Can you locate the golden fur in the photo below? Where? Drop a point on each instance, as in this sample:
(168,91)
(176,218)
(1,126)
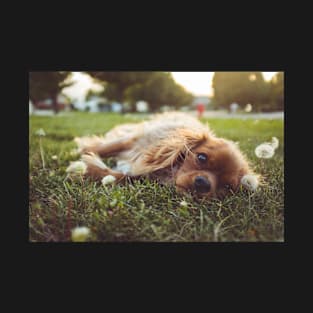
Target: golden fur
(173,148)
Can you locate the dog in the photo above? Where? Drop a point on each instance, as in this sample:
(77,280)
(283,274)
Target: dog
(172,148)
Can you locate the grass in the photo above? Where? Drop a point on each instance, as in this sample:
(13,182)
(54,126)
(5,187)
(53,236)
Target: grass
(145,211)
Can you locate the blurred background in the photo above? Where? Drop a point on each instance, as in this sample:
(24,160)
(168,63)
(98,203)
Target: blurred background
(216,94)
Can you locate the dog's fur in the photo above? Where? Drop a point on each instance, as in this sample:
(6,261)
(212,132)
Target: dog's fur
(167,148)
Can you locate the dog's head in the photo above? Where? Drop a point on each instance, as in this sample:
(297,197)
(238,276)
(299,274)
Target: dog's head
(206,165)
(213,168)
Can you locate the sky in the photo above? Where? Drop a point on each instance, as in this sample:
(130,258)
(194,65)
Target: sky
(199,83)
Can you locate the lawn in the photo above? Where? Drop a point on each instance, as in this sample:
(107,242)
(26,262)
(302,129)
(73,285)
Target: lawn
(145,211)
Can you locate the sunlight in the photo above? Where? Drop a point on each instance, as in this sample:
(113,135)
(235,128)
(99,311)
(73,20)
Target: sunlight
(82,83)
(268,75)
(199,83)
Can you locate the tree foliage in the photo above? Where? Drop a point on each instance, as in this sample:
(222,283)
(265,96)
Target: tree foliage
(116,83)
(43,85)
(248,87)
(156,88)
(277,91)
(240,87)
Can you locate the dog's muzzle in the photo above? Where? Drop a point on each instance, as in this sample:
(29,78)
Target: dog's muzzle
(202,184)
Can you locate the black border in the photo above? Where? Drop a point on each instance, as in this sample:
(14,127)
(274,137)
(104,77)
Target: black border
(133,253)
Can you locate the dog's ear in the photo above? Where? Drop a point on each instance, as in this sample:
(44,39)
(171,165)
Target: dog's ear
(168,151)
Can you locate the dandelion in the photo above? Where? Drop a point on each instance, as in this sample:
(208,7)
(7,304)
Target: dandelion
(80,234)
(264,151)
(54,157)
(183,204)
(275,142)
(109,179)
(77,167)
(52,173)
(40,132)
(250,182)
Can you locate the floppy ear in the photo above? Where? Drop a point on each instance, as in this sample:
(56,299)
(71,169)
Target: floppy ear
(167,151)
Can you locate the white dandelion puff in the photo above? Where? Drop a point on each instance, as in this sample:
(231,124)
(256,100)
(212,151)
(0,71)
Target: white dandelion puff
(183,204)
(109,179)
(80,234)
(54,157)
(275,142)
(77,167)
(250,182)
(51,173)
(264,151)
(40,132)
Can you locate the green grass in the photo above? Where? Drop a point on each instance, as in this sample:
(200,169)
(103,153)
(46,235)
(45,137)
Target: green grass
(145,211)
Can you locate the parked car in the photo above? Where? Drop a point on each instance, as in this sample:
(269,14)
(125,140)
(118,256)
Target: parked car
(48,105)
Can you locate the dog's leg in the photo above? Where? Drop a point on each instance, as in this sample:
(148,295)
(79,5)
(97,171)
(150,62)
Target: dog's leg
(96,169)
(102,147)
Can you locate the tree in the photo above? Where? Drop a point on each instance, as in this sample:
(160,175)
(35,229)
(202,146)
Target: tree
(44,85)
(157,88)
(160,89)
(276,93)
(178,96)
(240,87)
(92,93)
(116,83)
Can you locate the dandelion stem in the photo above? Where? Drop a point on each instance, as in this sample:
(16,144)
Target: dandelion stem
(41,153)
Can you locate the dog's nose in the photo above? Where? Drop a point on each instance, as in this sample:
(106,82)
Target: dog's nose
(202,184)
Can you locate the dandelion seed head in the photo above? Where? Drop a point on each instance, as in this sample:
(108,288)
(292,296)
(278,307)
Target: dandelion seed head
(40,132)
(109,179)
(77,167)
(275,142)
(54,157)
(183,204)
(250,182)
(264,151)
(52,173)
(80,234)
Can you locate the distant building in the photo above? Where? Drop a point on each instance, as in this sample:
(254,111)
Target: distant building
(233,107)
(116,107)
(142,106)
(62,103)
(97,104)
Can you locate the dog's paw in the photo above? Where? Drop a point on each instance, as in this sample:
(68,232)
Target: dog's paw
(91,159)
(88,144)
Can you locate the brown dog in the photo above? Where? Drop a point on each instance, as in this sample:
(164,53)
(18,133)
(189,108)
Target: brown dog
(174,148)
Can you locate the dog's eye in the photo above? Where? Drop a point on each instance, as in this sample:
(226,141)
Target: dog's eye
(202,157)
